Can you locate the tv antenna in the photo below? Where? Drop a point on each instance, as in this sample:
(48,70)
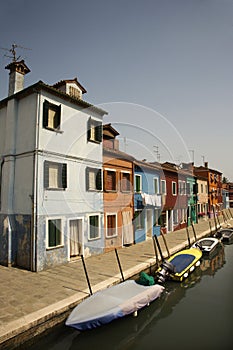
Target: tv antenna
(13,51)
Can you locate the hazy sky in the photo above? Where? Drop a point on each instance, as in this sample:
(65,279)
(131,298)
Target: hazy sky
(163,69)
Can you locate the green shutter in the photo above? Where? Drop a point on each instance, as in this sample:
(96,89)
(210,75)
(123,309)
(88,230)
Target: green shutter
(52,233)
(57,120)
(99,180)
(46,174)
(87,179)
(45,113)
(64,175)
(99,132)
(89,129)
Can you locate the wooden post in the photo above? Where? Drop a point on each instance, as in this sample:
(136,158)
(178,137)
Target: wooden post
(165,243)
(187,231)
(86,274)
(119,264)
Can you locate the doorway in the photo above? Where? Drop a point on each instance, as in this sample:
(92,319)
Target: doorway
(76,242)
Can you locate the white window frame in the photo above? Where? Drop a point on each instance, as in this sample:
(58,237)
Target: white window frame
(157,181)
(116,234)
(125,172)
(98,237)
(135,189)
(165,187)
(47,233)
(174,193)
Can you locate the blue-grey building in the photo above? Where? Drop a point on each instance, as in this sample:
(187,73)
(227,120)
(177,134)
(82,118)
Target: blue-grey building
(147,200)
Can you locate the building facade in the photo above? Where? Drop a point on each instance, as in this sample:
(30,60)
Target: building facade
(50,146)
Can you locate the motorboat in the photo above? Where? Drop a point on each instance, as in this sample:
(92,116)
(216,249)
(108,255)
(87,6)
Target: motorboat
(225,234)
(207,245)
(179,266)
(111,303)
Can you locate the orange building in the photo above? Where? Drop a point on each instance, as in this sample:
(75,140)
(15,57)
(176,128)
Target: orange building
(118,192)
(214,179)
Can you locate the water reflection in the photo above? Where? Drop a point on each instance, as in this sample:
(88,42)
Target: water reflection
(150,325)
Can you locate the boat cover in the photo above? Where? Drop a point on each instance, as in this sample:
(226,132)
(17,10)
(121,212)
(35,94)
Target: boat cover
(111,303)
(182,261)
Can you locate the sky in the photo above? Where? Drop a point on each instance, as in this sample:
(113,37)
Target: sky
(162,69)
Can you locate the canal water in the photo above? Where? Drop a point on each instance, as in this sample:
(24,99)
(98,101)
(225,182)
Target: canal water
(196,314)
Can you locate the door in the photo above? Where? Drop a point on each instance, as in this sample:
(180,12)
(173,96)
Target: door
(75,237)
(149,222)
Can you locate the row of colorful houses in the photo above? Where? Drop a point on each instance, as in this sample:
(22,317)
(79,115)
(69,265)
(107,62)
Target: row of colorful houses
(67,190)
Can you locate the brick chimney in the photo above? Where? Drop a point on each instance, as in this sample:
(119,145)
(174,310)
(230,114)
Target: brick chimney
(16,79)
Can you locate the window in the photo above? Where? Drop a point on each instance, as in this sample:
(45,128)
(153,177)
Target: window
(174,188)
(51,116)
(55,175)
(163,187)
(94,131)
(156,185)
(138,183)
(74,92)
(111,225)
(125,182)
(188,188)
(139,220)
(54,233)
(93,179)
(94,228)
(110,180)
(202,189)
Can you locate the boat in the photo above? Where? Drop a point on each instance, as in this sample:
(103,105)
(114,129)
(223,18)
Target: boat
(111,303)
(179,266)
(225,234)
(207,245)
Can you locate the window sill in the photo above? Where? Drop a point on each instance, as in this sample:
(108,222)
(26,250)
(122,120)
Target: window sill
(55,247)
(54,130)
(109,237)
(93,239)
(55,189)
(94,141)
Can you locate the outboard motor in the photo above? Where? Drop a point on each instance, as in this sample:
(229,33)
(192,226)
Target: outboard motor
(166,269)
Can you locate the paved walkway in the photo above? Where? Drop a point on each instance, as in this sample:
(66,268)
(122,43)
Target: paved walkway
(32,302)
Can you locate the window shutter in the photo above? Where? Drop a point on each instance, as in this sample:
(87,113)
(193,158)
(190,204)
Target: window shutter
(99,133)
(99,180)
(57,120)
(45,113)
(89,129)
(87,179)
(64,175)
(46,174)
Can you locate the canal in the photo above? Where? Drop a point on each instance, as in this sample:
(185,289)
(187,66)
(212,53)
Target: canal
(197,314)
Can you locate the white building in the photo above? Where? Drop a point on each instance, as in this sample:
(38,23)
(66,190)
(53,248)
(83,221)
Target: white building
(51,200)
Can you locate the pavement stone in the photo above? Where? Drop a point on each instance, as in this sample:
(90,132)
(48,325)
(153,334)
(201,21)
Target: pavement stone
(36,301)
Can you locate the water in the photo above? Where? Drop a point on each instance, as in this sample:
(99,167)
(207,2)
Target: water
(197,314)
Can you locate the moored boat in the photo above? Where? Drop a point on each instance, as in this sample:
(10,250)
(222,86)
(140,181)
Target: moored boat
(111,303)
(207,245)
(179,265)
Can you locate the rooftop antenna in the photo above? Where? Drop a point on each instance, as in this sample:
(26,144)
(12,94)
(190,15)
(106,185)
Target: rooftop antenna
(13,51)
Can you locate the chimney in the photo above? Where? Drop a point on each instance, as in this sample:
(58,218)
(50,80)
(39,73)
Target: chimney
(206,164)
(17,72)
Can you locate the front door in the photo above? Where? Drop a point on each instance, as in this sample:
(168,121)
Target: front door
(75,237)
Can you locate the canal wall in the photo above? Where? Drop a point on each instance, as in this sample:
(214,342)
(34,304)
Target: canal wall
(32,303)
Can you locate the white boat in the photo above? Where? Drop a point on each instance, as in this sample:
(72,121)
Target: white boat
(206,245)
(111,303)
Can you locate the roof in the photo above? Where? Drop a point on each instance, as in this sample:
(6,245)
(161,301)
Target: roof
(75,80)
(40,85)
(202,169)
(109,131)
(147,165)
(117,154)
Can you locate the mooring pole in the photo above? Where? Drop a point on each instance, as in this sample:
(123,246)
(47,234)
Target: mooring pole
(230,212)
(86,274)
(215,222)
(194,232)
(165,243)
(187,231)
(119,264)
(156,252)
(225,217)
(210,228)
(159,247)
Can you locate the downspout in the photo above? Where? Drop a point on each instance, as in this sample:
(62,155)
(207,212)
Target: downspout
(34,196)
(1,171)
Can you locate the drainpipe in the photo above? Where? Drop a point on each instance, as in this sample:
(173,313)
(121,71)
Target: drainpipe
(1,169)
